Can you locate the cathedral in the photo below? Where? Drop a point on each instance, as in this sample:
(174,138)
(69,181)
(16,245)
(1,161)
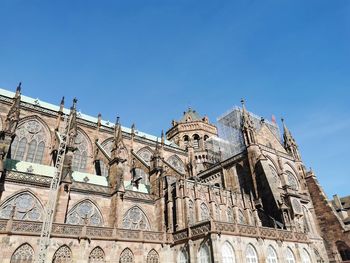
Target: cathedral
(199,193)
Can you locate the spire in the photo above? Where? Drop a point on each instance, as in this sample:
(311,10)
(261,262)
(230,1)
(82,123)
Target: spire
(72,125)
(61,105)
(18,90)
(117,133)
(289,142)
(12,117)
(247,125)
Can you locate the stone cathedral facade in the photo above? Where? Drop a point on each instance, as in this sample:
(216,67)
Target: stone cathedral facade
(128,197)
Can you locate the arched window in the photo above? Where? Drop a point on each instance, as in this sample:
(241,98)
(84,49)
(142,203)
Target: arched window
(141,174)
(271,255)
(230,217)
(196,139)
(204,212)
(85,212)
(145,154)
(275,177)
(80,156)
(153,257)
(290,258)
(23,206)
(177,163)
(227,253)
(186,139)
(191,214)
(250,255)
(241,218)
(97,255)
(183,256)
(126,256)
(292,181)
(23,254)
(135,218)
(204,254)
(62,255)
(305,256)
(29,143)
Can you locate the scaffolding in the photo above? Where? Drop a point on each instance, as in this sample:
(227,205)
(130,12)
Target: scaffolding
(230,141)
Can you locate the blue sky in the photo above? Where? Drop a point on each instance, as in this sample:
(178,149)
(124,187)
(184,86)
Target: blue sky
(147,61)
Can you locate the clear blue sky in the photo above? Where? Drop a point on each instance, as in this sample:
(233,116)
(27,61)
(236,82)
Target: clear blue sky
(147,61)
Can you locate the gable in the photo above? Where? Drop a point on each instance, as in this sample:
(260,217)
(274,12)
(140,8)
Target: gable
(266,137)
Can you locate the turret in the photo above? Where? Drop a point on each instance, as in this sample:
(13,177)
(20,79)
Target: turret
(289,142)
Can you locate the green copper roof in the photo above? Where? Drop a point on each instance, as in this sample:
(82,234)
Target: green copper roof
(190,115)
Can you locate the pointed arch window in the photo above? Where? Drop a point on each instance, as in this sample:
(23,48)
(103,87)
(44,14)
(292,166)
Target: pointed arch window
(292,181)
(23,206)
(97,255)
(217,212)
(23,254)
(80,156)
(126,256)
(183,256)
(275,176)
(85,212)
(205,215)
(204,254)
(62,255)
(305,256)
(290,258)
(29,143)
(153,257)
(177,163)
(271,255)
(250,255)
(241,218)
(227,253)
(145,154)
(230,217)
(135,218)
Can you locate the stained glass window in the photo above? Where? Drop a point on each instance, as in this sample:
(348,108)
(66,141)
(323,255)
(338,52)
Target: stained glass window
(241,217)
(153,257)
(204,254)
(204,212)
(29,143)
(305,256)
(97,255)
(80,156)
(230,217)
(227,253)
(62,255)
(126,256)
(271,255)
(177,163)
(275,176)
(183,256)
(135,218)
(251,255)
(145,154)
(24,205)
(85,212)
(290,256)
(292,181)
(23,254)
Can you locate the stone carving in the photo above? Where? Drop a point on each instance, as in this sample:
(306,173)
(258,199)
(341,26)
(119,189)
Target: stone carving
(205,215)
(153,257)
(97,255)
(85,212)
(23,206)
(134,218)
(126,256)
(23,254)
(62,255)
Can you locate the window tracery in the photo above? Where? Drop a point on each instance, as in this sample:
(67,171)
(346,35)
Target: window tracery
(23,254)
(153,257)
(85,212)
(204,254)
(97,255)
(183,256)
(228,255)
(177,163)
(292,181)
(305,256)
(62,255)
(126,256)
(135,218)
(290,256)
(251,255)
(230,217)
(145,154)
(241,217)
(29,143)
(191,218)
(80,156)
(205,215)
(271,255)
(275,176)
(23,206)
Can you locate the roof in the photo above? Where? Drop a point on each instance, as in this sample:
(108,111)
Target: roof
(89,118)
(190,115)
